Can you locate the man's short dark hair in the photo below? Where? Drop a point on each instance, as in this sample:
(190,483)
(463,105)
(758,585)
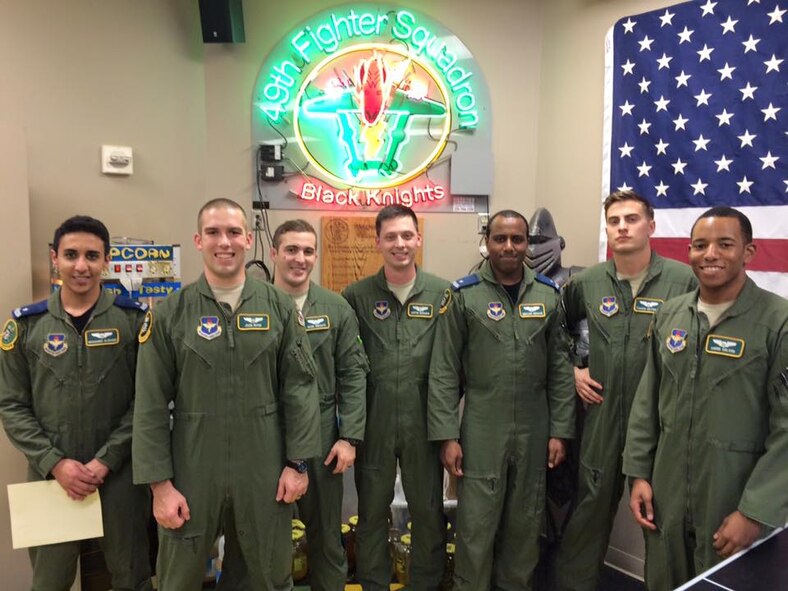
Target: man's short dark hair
(620,196)
(506,213)
(724,211)
(292,226)
(218,202)
(82,223)
(391,212)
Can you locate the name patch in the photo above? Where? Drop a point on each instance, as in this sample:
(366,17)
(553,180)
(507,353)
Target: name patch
(532,311)
(725,346)
(313,323)
(209,327)
(647,305)
(253,322)
(102,337)
(419,310)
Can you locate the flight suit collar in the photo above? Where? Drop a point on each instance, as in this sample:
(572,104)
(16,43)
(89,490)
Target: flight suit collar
(418,285)
(747,298)
(655,265)
(486,273)
(310,298)
(55,306)
(205,289)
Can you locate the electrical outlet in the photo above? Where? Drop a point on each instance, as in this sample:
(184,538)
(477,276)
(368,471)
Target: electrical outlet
(482,221)
(117,160)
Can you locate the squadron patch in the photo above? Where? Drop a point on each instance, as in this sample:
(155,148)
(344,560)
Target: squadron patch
(315,323)
(445,301)
(609,306)
(531,311)
(382,310)
(209,327)
(55,344)
(725,346)
(647,305)
(253,322)
(10,334)
(102,337)
(677,341)
(496,311)
(146,328)
(416,310)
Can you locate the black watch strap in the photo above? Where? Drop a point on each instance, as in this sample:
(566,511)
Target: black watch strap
(351,441)
(299,466)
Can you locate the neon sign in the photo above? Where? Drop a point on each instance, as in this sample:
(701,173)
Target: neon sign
(372,98)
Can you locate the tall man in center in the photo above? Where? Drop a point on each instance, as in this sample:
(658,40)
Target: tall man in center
(397,311)
(341,377)
(501,337)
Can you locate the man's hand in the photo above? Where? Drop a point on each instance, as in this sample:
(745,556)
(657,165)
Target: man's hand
(98,468)
(169,506)
(641,503)
(451,457)
(76,479)
(345,455)
(586,387)
(556,452)
(737,532)
(292,485)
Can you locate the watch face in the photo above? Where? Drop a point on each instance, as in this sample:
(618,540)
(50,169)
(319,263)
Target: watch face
(299,467)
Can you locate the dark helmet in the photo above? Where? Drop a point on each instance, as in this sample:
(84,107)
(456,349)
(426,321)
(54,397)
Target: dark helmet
(544,243)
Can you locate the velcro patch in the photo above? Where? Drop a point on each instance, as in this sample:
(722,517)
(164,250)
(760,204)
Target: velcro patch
(532,311)
(10,334)
(416,310)
(146,328)
(253,322)
(102,337)
(647,305)
(313,323)
(725,346)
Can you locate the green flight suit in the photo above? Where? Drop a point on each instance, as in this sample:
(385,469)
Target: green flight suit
(341,382)
(244,395)
(618,346)
(66,395)
(709,427)
(398,341)
(519,391)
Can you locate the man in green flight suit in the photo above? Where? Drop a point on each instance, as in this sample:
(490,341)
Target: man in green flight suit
(707,444)
(501,338)
(618,298)
(397,311)
(67,398)
(341,376)
(230,357)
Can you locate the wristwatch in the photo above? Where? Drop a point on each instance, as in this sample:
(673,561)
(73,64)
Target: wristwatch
(351,441)
(297,465)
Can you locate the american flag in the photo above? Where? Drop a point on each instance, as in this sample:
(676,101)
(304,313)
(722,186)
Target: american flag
(696,108)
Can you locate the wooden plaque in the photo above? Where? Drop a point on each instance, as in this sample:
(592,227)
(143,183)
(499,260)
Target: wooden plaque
(348,252)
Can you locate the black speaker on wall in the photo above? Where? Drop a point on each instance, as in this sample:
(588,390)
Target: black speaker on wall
(222,21)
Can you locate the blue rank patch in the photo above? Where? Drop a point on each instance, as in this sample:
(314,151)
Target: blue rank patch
(102,337)
(725,346)
(677,341)
(609,306)
(495,311)
(466,281)
(209,327)
(416,310)
(647,305)
(532,311)
(382,310)
(55,344)
(253,322)
(315,323)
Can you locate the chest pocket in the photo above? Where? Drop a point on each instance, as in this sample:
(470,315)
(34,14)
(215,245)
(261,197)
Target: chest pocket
(479,323)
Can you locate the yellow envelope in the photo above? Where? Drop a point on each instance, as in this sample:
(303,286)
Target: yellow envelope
(42,513)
